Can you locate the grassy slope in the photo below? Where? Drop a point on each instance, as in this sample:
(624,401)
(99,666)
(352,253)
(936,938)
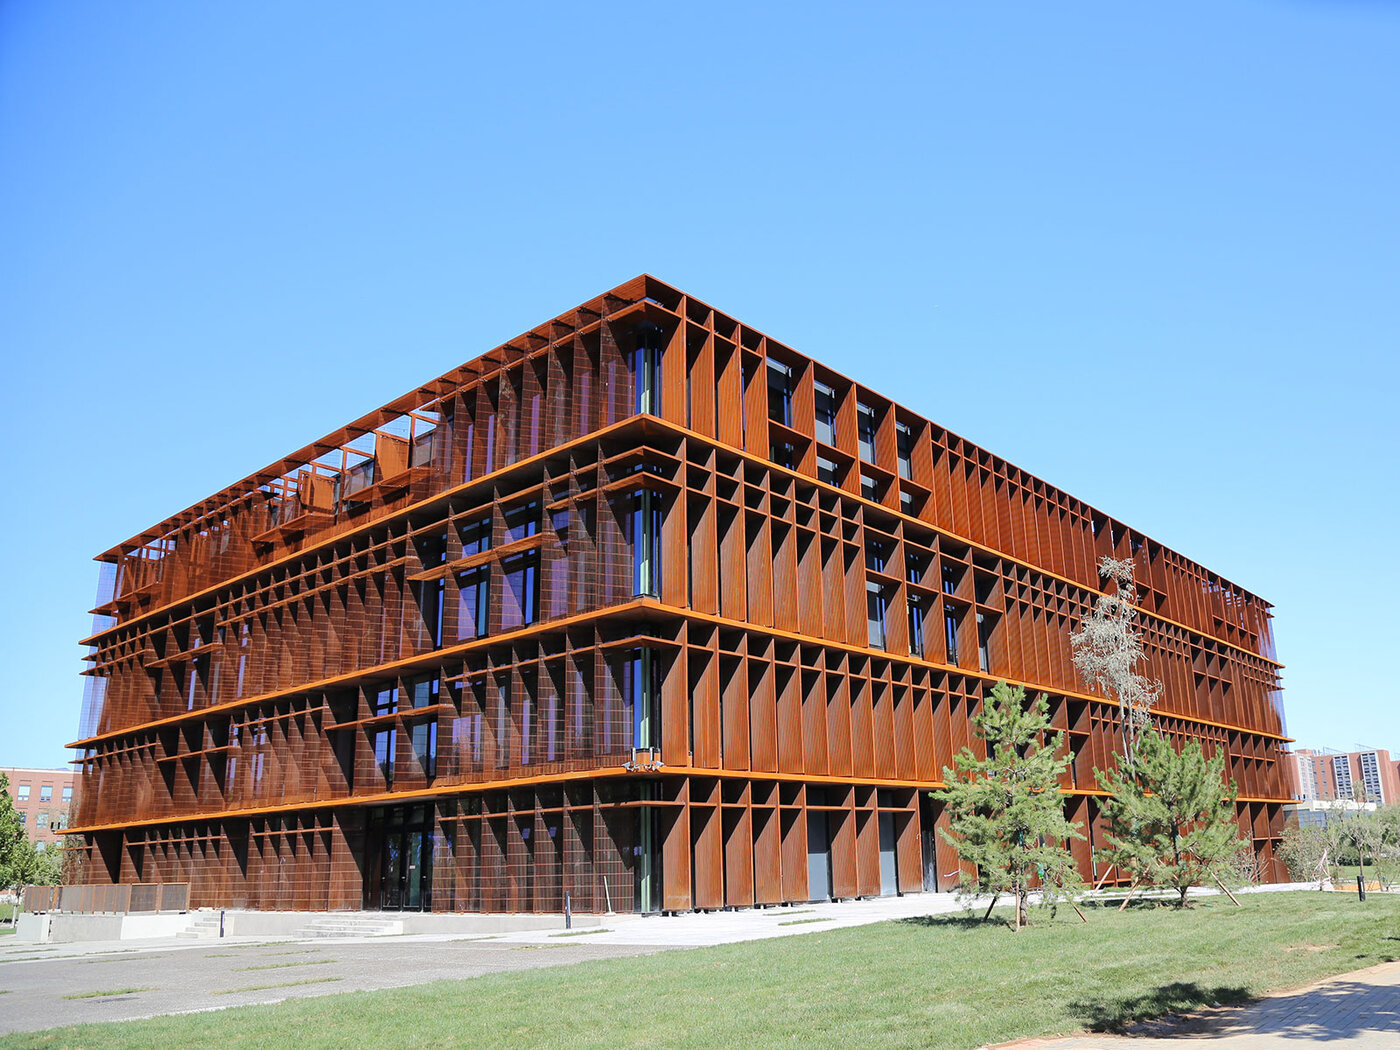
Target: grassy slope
(938,983)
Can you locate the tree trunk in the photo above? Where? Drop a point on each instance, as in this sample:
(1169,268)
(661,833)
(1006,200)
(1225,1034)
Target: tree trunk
(1181,901)
(1022,920)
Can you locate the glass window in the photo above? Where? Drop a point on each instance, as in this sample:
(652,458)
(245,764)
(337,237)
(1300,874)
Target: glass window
(23,795)
(646,369)
(875,614)
(62,822)
(528,678)
(23,817)
(468,449)
(41,821)
(646,542)
(826,414)
(466,741)
(641,696)
(522,521)
(476,536)
(951,575)
(915,566)
(779,392)
(950,626)
(67,792)
(384,753)
(916,626)
(984,638)
(473,592)
(430,595)
(782,453)
(826,471)
(232,767)
(424,737)
(502,724)
(865,431)
(549,724)
(905,439)
(243,635)
(520,597)
(45,792)
(385,701)
(424,692)
(876,553)
(432,549)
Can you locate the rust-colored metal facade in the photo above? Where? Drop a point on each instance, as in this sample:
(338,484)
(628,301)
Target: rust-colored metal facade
(643,606)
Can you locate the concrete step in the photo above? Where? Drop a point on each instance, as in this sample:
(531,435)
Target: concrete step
(203,928)
(351,927)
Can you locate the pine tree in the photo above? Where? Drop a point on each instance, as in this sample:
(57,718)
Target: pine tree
(1006,812)
(17,855)
(1171,817)
(1107,649)
(13,840)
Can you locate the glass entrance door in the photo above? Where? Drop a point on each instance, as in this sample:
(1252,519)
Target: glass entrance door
(399,859)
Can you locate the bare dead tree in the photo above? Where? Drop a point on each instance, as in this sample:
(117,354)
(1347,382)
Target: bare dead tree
(1107,650)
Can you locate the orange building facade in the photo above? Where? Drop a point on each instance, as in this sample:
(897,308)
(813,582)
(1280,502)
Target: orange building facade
(643,607)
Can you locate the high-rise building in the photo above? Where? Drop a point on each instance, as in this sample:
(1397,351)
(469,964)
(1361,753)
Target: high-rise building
(1325,774)
(643,606)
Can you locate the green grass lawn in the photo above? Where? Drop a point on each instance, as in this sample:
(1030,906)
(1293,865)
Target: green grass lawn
(946,982)
(6,912)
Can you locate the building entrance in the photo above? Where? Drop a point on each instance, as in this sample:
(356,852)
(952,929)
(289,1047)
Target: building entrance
(399,859)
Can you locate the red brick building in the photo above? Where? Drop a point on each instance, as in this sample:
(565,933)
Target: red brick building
(44,799)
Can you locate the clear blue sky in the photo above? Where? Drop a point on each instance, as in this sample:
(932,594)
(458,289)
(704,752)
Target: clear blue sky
(1148,252)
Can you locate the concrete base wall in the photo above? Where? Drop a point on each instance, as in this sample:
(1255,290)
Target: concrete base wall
(290,923)
(57,928)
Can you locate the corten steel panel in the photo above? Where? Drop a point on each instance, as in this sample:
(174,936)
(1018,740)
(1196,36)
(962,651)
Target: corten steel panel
(459,603)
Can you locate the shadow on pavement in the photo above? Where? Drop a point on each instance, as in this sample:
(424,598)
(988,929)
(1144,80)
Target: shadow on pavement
(1115,1015)
(1337,1010)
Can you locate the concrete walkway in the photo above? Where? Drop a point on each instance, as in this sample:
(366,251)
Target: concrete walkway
(1352,1011)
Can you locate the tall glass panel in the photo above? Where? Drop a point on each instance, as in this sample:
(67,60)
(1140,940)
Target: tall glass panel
(826,414)
(646,369)
(646,543)
(865,431)
(779,392)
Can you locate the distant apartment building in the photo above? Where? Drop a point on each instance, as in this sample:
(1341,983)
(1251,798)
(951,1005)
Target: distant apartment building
(43,798)
(1323,775)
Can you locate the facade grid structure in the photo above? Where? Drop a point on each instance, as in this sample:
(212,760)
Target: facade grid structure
(643,606)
